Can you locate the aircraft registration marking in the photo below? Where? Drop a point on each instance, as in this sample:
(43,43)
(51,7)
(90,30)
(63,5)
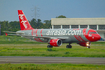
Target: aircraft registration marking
(64,32)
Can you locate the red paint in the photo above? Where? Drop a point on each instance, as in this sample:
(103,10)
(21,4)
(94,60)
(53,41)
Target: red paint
(79,38)
(40,40)
(54,42)
(6,34)
(24,24)
(34,32)
(84,44)
(91,37)
(82,39)
(41,32)
(37,39)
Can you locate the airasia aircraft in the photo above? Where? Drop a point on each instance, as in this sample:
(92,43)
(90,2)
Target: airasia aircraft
(55,37)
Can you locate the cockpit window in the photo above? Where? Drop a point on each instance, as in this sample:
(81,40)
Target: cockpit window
(92,32)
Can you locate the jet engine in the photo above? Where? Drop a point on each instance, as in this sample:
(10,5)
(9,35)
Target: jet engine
(85,44)
(55,42)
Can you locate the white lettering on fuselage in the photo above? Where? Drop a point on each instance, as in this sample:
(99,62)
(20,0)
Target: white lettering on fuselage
(64,32)
(22,20)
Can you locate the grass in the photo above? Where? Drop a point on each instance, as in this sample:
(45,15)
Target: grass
(18,46)
(42,50)
(62,66)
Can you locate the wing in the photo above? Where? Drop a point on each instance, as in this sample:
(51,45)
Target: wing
(47,37)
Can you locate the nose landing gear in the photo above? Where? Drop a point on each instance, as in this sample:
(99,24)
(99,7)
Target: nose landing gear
(88,44)
(88,47)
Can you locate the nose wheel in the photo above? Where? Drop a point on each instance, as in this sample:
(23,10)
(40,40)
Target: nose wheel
(88,47)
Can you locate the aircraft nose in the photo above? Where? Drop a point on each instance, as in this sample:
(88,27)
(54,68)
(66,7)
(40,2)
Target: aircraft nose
(97,37)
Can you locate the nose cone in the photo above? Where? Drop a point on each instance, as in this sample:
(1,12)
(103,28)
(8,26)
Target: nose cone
(91,35)
(97,37)
(94,37)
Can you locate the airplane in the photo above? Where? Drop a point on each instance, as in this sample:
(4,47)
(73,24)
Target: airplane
(55,37)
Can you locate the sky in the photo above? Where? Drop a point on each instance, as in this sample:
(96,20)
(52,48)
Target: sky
(47,9)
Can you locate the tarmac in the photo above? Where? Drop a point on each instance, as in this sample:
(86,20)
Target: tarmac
(50,60)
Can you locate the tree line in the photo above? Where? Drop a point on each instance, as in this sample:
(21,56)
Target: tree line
(36,24)
(15,25)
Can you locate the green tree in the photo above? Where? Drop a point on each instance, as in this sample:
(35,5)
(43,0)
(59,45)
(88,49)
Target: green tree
(36,23)
(4,26)
(47,21)
(39,24)
(61,16)
(14,26)
(33,23)
(47,24)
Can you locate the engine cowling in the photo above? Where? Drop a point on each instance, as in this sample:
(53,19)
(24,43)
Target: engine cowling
(55,42)
(85,44)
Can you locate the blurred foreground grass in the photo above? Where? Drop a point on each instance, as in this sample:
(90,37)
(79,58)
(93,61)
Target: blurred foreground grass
(62,66)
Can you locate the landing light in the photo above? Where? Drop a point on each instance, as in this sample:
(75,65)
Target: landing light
(87,44)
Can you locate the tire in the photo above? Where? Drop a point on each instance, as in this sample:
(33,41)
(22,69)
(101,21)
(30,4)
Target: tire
(88,47)
(49,46)
(68,46)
